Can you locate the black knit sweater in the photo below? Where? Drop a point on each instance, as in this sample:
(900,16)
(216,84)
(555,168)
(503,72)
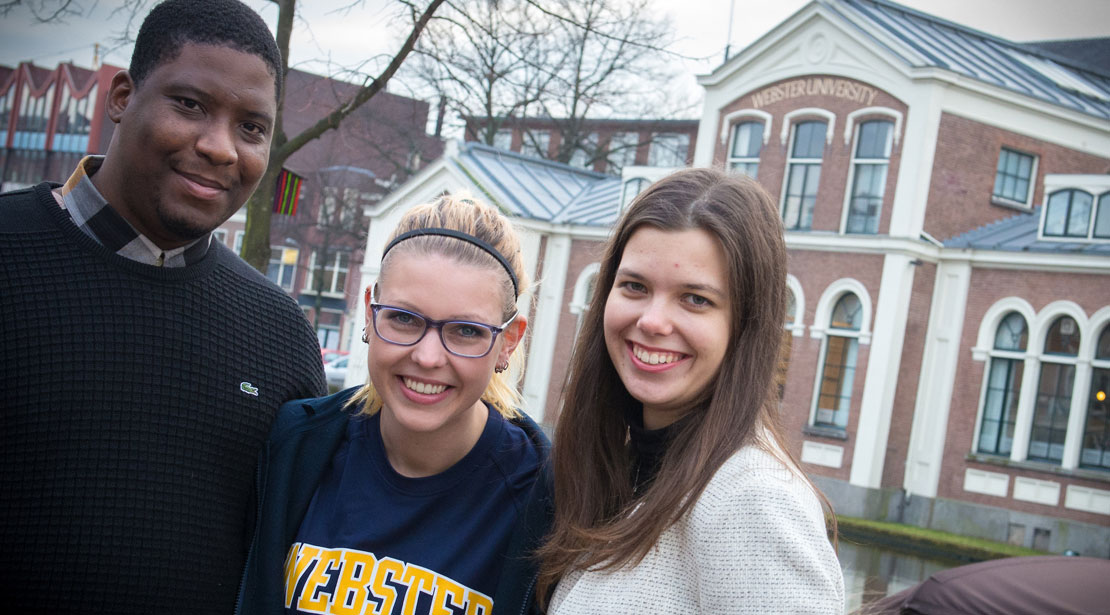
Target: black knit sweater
(133,403)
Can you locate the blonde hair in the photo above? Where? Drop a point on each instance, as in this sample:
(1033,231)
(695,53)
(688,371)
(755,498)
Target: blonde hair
(471,216)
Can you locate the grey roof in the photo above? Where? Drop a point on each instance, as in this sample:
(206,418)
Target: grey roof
(1019,234)
(923,40)
(540,189)
(1092,54)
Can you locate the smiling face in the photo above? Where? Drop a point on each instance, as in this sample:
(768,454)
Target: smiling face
(192,142)
(667,319)
(424,388)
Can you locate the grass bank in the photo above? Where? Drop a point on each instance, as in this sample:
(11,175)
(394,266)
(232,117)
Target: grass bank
(932,544)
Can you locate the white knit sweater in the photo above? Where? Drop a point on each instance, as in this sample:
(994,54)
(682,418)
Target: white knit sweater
(754,542)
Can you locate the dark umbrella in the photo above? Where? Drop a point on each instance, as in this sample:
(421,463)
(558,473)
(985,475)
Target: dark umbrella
(1037,585)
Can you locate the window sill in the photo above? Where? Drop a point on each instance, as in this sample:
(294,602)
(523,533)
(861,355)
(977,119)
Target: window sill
(1008,204)
(1041,467)
(825,432)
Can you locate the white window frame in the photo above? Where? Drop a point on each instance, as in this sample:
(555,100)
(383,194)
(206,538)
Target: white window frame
(805,114)
(853,170)
(790,162)
(628,143)
(533,140)
(1097,186)
(583,158)
(990,354)
(282,265)
(665,148)
(798,327)
(1099,322)
(1027,204)
(733,161)
(821,330)
(747,115)
(332,270)
(1039,324)
(580,299)
(640,182)
(830,332)
(338,329)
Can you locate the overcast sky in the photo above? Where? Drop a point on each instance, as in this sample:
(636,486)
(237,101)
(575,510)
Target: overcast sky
(348,38)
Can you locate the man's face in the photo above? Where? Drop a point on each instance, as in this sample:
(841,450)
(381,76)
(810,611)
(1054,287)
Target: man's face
(192,143)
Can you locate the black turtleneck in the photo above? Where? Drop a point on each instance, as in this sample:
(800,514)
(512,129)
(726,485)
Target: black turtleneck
(647,447)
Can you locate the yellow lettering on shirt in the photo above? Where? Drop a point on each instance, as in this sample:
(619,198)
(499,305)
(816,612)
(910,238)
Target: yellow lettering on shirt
(420,581)
(299,559)
(448,594)
(313,598)
(356,572)
(478,603)
(388,569)
(366,584)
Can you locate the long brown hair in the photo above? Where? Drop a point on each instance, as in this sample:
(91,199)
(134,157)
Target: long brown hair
(594,527)
(462,213)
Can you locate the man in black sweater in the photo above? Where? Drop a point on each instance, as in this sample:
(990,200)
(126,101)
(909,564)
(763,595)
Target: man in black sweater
(141,363)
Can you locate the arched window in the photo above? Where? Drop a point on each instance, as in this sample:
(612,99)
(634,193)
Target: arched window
(834,397)
(584,289)
(1102,218)
(1095,451)
(1054,391)
(1068,214)
(34,115)
(869,164)
(747,143)
(1000,403)
(803,174)
(75,118)
(631,188)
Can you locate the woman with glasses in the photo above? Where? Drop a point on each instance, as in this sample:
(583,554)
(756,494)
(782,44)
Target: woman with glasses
(423,491)
(674,490)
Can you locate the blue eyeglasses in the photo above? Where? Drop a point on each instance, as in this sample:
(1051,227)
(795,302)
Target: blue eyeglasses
(459,337)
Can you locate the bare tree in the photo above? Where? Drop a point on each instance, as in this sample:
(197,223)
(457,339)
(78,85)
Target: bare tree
(256,241)
(485,59)
(561,60)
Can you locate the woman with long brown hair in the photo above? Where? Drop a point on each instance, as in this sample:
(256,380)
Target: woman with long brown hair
(674,490)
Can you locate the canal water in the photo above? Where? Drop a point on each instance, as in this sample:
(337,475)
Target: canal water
(872,572)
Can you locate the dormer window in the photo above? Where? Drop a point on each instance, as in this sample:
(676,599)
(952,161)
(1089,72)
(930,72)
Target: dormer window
(631,188)
(1076,214)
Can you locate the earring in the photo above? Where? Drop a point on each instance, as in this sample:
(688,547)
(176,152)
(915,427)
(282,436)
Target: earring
(365,336)
(501,366)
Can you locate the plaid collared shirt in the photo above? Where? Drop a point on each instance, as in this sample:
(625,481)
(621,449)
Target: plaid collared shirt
(91,213)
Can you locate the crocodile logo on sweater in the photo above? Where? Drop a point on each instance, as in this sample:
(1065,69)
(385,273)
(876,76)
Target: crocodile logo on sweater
(247,388)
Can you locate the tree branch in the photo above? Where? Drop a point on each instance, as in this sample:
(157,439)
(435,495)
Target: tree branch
(332,120)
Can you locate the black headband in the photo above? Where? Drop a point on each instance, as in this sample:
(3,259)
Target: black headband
(446,232)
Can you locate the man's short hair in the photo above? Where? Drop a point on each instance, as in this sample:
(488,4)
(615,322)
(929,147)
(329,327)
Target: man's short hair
(227,23)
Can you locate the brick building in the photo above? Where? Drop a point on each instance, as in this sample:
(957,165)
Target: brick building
(946,200)
(947,207)
(51,118)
